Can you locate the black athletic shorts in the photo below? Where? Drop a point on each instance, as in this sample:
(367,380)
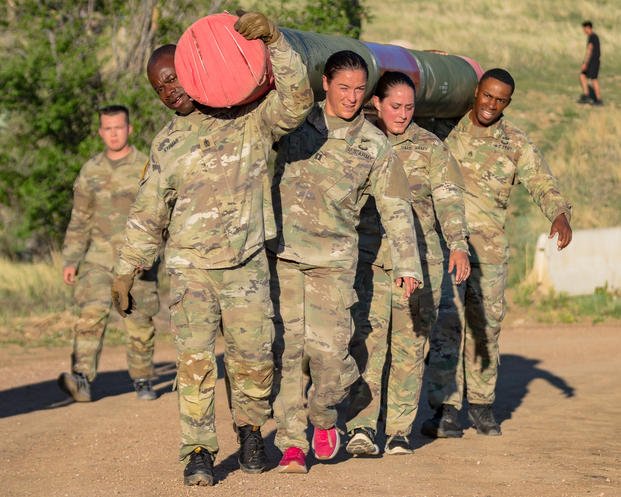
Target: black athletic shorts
(592,69)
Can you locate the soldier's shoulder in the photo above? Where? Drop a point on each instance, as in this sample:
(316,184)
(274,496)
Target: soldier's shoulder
(372,130)
(371,133)
(428,139)
(93,162)
(141,157)
(167,137)
(163,133)
(514,133)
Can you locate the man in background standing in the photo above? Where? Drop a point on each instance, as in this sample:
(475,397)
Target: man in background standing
(590,68)
(102,196)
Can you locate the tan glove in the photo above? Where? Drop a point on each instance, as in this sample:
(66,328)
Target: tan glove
(253,25)
(121,298)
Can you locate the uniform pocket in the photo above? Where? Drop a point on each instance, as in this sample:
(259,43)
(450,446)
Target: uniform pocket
(348,297)
(340,190)
(178,291)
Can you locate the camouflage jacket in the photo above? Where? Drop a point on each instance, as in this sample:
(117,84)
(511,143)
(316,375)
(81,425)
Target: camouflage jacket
(437,190)
(492,160)
(103,194)
(208,182)
(323,178)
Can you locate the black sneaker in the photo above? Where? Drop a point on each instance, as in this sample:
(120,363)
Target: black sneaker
(144,390)
(76,385)
(584,99)
(398,445)
(251,457)
(444,424)
(482,418)
(199,469)
(362,442)
(598,103)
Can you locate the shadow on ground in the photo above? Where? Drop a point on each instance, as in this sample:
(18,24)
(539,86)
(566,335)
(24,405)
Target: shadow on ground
(515,375)
(47,395)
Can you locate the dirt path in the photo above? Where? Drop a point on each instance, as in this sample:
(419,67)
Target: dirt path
(559,403)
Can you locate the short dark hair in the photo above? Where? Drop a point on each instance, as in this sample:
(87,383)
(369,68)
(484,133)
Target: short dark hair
(111,110)
(501,75)
(587,24)
(161,51)
(344,60)
(391,79)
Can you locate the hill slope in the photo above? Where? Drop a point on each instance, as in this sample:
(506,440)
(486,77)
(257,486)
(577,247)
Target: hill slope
(542,45)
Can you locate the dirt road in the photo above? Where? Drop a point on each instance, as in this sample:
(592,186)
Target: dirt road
(559,402)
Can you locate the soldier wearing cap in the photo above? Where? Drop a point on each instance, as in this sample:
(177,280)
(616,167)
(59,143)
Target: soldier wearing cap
(208,184)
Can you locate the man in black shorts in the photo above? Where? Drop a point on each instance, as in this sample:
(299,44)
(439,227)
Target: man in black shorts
(590,68)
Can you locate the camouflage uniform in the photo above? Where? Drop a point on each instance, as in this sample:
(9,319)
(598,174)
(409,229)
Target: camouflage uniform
(208,184)
(464,344)
(102,196)
(322,179)
(436,185)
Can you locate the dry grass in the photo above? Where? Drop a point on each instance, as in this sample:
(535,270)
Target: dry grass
(587,161)
(36,305)
(32,287)
(542,45)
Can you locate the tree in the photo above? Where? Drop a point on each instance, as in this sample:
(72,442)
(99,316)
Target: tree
(66,58)
(336,17)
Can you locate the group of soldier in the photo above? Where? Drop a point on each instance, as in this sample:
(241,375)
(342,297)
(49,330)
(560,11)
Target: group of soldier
(368,237)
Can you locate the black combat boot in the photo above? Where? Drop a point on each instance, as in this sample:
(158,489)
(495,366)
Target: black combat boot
(444,424)
(482,418)
(252,458)
(199,469)
(76,385)
(144,390)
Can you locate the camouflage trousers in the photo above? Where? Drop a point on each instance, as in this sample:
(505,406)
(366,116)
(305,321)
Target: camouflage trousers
(464,343)
(237,299)
(93,297)
(390,334)
(313,330)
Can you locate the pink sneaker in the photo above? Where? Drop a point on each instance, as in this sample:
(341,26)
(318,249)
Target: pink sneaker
(293,461)
(326,443)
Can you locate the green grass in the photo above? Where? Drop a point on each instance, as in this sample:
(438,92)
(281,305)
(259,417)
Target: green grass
(599,307)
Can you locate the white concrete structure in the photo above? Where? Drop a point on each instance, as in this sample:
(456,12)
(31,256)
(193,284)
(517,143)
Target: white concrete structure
(592,259)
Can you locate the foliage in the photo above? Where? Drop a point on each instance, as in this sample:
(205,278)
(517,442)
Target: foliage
(337,17)
(63,60)
(38,308)
(553,307)
(51,85)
